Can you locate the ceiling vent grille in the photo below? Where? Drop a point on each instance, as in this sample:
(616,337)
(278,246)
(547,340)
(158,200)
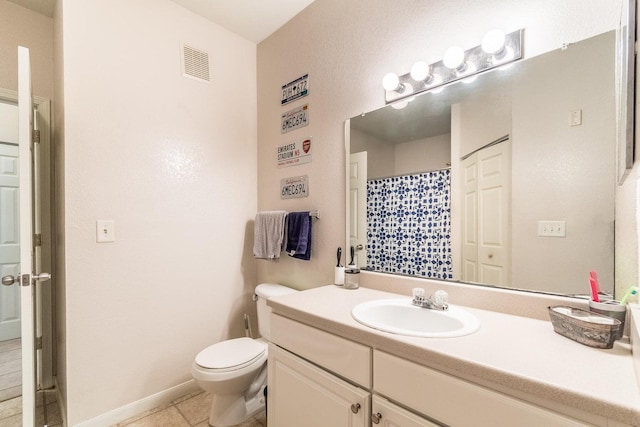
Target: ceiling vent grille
(195,64)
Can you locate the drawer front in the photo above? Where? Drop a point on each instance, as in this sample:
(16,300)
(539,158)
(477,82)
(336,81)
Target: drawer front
(453,401)
(341,356)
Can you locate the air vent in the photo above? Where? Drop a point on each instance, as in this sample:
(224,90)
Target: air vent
(195,64)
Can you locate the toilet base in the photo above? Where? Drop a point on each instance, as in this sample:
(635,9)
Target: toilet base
(229,411)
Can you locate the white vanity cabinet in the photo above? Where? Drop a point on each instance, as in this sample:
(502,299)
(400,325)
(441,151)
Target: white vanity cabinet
(454,401)
(386,414)
(318,379)
(300,393)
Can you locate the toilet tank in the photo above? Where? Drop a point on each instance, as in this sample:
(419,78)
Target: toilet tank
(264,291)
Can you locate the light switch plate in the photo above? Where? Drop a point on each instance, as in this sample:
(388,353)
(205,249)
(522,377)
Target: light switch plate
(105,230)
(552,228)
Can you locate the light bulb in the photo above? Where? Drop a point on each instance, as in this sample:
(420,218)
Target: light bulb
(390,81)
(493,41)
(420,71)
(453,57)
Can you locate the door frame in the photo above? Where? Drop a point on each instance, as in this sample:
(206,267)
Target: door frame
(44,292)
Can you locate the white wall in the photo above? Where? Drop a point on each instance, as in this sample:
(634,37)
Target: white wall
(346,47)
(22,27)
(577,184)
(421,155)
(173,162)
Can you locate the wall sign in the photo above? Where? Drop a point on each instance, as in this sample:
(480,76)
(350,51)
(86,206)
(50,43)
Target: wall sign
(295,89)
(294,119)
(294,153)
(295,187)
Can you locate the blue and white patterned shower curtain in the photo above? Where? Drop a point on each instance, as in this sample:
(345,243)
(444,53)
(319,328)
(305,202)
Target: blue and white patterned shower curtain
(409,224)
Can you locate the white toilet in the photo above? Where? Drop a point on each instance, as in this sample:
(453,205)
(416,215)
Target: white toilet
(235,371)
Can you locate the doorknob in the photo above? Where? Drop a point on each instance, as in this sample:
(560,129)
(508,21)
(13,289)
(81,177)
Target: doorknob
(359,247)
(42,277)
(9,280)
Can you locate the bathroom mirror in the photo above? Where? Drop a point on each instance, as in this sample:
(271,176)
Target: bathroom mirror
(507,181)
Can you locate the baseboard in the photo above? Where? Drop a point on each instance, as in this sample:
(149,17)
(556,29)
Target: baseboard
(134,408)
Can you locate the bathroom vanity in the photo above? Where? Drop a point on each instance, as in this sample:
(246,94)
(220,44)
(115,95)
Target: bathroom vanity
(326,369)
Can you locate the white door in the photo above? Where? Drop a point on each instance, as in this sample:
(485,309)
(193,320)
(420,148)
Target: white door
(486,215)
(27,279)
(301,394)
(386,414)
(9,241)
(358,209)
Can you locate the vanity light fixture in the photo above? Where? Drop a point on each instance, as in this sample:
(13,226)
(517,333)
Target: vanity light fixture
(496,50)
(391,83)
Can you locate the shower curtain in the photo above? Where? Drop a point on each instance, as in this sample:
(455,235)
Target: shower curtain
(409,225)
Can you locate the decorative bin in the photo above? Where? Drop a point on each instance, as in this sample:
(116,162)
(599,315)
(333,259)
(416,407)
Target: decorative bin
(588,328)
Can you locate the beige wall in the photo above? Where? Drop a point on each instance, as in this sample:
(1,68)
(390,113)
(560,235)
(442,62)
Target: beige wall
(422,155)
(173,162)
(577,184)
(346,47)
(22,27)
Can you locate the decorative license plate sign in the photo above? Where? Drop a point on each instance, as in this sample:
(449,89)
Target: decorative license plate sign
(295,187)
(295,89)
(295,119)
(295,153)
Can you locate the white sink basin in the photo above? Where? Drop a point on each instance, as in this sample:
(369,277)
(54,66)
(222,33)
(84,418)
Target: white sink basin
(399,316)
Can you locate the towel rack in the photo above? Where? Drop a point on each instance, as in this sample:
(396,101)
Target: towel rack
(314,214)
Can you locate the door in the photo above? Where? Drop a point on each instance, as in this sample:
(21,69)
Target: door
(9,238)
(301,394)
(25,280)
(386,414)
(358,209)
(486,214)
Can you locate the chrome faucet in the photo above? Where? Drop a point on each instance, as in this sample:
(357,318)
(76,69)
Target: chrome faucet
(438,301)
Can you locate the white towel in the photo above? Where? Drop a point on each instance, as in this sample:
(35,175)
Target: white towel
(268,234)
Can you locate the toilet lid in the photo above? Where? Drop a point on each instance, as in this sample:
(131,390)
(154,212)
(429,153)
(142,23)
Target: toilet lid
(230,353)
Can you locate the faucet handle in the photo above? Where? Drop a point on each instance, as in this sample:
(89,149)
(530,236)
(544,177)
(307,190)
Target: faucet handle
(440,298)
(417,293)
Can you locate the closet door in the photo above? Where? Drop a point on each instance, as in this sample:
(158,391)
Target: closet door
(486,214)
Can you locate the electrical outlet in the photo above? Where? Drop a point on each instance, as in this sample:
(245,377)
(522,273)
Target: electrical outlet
(105,230)
(552,228)
(576,117)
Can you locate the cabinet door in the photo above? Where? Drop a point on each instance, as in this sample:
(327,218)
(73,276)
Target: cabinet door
(386,414)
(301,394)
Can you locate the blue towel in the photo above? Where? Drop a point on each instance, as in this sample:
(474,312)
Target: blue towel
(299,235)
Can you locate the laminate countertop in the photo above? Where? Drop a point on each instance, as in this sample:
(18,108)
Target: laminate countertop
(519,356)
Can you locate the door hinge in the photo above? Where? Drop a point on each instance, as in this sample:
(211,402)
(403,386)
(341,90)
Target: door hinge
(35,136)
(37,239)
(38,343)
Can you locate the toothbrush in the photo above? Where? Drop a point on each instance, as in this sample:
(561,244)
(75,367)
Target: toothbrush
(594,275)
(594,289)
(633,290)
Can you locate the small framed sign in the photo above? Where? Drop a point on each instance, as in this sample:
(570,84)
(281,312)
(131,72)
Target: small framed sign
(296,89)
(295,119)
(294,153)
(295,187)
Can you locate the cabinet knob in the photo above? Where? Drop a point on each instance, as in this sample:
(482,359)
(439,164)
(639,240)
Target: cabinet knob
(355,408)
(375,418)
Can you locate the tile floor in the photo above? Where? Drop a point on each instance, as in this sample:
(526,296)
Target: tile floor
(47,411)
(188,411)
(10,369)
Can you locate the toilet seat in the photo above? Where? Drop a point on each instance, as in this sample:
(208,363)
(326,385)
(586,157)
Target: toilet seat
(231,355)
